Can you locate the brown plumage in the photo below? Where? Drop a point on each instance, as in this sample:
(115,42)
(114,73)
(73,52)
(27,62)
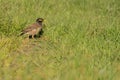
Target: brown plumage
(34,28)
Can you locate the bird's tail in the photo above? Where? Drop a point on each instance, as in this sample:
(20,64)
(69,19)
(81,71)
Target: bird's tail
(21,34)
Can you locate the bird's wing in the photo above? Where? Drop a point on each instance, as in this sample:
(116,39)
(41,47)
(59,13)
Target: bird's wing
(30,28)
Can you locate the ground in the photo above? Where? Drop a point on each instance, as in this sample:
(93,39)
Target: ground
(81,40)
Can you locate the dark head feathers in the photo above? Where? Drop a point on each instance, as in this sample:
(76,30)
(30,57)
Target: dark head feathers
(39,20)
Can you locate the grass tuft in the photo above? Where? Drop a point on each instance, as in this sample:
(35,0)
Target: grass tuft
(81,40)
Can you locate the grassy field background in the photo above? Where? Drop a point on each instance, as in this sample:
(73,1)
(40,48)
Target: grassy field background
(81,40)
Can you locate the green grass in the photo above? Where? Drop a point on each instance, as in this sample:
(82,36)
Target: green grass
(81,40)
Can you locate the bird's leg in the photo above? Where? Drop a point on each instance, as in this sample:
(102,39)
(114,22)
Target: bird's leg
(32,36)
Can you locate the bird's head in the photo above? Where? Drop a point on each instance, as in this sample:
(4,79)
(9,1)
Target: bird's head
(39,20)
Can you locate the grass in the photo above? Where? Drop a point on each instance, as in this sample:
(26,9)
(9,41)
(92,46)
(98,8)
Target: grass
(81,40)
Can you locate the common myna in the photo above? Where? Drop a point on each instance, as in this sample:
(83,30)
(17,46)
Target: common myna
(34,28)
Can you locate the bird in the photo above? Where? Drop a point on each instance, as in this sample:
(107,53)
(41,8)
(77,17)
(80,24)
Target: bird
(34,28)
